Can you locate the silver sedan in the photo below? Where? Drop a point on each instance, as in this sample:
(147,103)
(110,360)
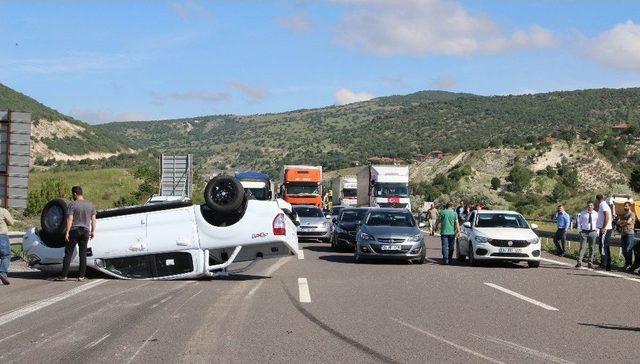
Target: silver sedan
(314,225)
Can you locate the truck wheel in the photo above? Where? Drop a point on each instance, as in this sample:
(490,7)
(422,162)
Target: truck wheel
(53,221)
(224,195)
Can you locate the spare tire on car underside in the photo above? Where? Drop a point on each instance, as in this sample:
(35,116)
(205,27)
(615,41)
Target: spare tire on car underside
(53,222)
(225,195)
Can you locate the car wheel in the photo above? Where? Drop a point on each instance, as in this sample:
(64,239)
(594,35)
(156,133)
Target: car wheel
(334,246)
(533,264)
(357,258)
(53,222)
(224,195)
(422,258)
(461,257)
(472,258)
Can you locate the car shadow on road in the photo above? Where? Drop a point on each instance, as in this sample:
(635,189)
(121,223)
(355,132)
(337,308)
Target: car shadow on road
(348,258)
(611,327)
(240,277)
(592,275)
(319,248)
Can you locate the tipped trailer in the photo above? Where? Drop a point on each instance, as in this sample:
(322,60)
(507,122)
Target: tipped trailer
(173,240)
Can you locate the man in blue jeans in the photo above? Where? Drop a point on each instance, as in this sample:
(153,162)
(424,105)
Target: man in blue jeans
(5,246)
(560,238)
(449,229)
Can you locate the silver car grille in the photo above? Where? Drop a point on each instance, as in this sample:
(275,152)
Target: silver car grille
(392,240)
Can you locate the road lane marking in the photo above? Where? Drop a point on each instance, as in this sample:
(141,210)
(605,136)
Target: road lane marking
(95,343)
(450,343)
(12,336)
(142,347)
(269,272)
(4,319)
(522,297)
(540,354)
(161,302)
(303,291)
(604,273)
(300,254)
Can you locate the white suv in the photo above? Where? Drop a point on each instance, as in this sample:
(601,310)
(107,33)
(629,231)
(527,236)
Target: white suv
(499,235)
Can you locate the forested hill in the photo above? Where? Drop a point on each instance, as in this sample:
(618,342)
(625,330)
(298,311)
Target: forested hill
(58,136)
(396,126)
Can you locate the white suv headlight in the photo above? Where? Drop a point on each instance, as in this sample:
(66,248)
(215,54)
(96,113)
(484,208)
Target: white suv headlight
(533,241)
(482,239)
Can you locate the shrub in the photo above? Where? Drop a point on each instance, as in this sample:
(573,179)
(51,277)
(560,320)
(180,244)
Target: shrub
(520,177)
(50,189)
(495,183)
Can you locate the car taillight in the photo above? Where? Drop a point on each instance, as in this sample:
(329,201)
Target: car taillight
(279,227)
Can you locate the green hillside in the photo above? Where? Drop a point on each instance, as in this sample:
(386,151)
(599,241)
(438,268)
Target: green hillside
(14,100)
(396,126)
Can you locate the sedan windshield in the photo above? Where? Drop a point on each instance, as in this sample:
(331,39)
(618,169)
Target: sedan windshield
(391,190)
(353,215)
(304,211)
(498,220)
(390,218)
(336,210)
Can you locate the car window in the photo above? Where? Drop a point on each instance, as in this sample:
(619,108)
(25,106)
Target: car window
(336,210)
(308,211)
(471,218)
(130,267)
(390,218)
(496,220)
(170,264)
(352,215)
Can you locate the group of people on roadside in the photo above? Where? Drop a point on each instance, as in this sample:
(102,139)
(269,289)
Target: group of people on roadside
(596,225)
(449,222)
(80,228)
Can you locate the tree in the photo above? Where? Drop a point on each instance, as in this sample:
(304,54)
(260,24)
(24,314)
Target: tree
(634,180)
(520,177)
(495,183)
(551,173)
(559,192)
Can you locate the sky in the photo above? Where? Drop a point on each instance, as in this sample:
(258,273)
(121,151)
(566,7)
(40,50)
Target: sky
(102,61)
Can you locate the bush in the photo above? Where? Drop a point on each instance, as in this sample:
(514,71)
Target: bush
(520,177)
(50,189)
(495,183)
(559,192)
(634,179)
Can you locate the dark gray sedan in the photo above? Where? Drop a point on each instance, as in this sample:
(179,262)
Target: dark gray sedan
(389,234)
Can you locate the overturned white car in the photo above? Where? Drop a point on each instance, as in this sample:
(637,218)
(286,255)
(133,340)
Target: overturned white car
(173,240)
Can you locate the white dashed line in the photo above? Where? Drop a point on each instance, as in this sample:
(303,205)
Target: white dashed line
(97,341)
(47,302)
(451,343)
(522,297)
(536,353)
(300,254)
(303,290)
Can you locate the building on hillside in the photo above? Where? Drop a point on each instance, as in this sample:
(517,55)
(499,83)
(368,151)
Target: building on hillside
(354,163)
(437,154)
(385,160)
(620,128)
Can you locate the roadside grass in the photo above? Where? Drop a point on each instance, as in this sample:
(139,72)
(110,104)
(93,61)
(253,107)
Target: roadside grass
(573,251)
(16,249)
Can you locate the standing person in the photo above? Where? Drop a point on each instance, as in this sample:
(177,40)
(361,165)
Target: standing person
(5,245)
(478,207)
(81,226)
(560,238)
(605,228)
(460,211)
(449,230)
(588,233)
(627,222)
(432,215)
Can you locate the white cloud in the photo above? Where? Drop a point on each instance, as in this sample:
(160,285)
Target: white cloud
(252,92)
(444,83)
(618,47)
(104,115)
(345,96)
(298,22)
(189,9)
(422,27)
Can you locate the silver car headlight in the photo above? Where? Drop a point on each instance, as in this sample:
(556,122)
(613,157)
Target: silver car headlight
(482,239)
(326,224)
(416,238)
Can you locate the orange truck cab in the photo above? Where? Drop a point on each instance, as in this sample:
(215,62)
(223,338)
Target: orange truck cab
(302,185)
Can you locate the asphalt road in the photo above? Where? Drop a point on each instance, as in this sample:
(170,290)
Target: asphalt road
(325,308)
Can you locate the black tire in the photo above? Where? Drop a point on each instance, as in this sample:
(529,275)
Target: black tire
(422,258)
(472,256)
(533,264)
(461,257)
(53,221)
(357,258)
(224,195)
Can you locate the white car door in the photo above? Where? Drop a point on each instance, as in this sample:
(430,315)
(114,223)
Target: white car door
(467,233)
(120,236)
(171,230)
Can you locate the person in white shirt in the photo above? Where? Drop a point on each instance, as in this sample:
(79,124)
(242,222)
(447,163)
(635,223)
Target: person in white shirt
(588,234)
(604,224)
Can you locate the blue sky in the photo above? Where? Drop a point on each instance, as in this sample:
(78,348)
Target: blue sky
(121,60)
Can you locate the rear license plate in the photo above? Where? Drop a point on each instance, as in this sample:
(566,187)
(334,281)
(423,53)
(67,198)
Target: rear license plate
(390,247)
(510,250)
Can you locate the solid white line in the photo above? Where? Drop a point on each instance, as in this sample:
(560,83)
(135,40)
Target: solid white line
(524,298)
(604,273)
(540,354)
(451,343)
(47,302)
(300,254)
(141,347)
(97,341)
(161,302)
(11,336)
(303,290)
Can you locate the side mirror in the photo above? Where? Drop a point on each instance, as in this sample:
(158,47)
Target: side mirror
(467,224)
(422,224)
(534,226)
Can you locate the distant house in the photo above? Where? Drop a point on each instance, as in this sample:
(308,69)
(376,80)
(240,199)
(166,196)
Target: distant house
(548,139)
(354,163)
(385,160)
(437,154)
(620,128)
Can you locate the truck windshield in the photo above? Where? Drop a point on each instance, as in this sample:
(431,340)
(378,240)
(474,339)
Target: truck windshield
(391,190)
(304,211)
(303,190)
(350,193)
(498,220)
(388,218)
(259,193)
